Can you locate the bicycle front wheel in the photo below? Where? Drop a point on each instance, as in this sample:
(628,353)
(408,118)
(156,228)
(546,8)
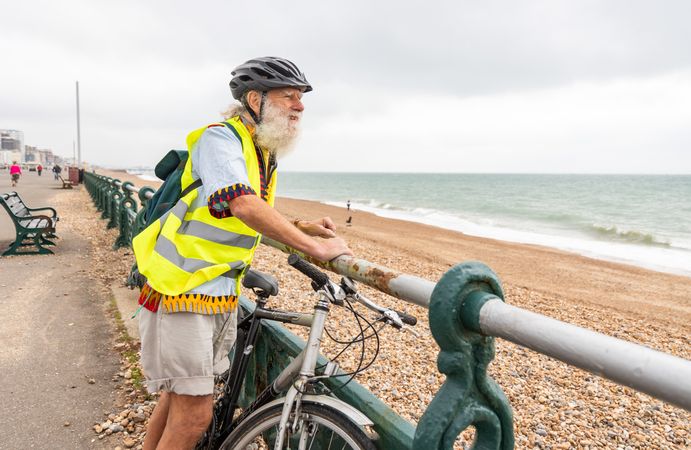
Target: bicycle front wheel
(321,428)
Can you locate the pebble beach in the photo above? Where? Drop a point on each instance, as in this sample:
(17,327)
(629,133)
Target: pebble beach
(554,405)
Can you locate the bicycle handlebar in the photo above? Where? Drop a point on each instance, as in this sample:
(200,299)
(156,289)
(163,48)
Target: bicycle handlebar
(321,281)
(308,269)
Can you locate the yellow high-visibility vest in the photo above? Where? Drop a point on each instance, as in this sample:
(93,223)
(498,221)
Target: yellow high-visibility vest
(187,246)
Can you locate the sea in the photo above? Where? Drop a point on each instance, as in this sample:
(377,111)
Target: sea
(642,220)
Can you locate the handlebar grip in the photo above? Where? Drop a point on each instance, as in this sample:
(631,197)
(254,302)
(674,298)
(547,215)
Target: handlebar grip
(308,269)
(407,318)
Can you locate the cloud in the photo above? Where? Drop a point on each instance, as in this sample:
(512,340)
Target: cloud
(511,74)
(628,125)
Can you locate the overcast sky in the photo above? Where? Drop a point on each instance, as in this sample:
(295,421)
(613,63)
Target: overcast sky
(457,86)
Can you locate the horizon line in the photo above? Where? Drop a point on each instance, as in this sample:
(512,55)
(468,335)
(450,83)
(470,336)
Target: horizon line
(375,172)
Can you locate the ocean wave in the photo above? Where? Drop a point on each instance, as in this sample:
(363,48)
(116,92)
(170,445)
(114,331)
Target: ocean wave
(598,241)
(372,203)
(629,236)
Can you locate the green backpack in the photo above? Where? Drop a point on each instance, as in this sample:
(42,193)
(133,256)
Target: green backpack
(170,170)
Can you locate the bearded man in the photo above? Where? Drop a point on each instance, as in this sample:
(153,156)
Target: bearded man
(195,256)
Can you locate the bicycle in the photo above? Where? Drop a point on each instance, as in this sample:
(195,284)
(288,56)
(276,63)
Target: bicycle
(296,410)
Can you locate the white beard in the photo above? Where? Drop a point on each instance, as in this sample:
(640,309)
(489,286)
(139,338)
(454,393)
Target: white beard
(276,132)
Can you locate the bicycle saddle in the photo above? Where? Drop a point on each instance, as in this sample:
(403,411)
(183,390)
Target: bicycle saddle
(262,281)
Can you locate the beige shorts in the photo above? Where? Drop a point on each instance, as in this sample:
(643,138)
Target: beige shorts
(181,352)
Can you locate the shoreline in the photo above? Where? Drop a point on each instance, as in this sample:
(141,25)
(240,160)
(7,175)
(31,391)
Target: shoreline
(547,270)
(534,239)
(562,248)
(538,240)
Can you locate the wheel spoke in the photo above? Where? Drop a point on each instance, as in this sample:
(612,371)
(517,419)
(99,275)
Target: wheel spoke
(331,438)
(314,436)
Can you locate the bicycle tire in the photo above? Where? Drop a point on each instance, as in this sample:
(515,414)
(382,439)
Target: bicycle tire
(326,425)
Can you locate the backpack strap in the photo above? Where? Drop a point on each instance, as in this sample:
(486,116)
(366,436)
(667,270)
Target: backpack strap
(232,128)
(191,187)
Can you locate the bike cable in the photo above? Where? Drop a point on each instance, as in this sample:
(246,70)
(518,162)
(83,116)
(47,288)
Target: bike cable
(361,337)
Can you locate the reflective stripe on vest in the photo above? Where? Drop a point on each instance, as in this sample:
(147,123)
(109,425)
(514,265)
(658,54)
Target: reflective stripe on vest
(187,246)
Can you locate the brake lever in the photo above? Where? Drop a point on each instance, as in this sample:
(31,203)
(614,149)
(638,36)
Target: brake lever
(393,319)
(389,319)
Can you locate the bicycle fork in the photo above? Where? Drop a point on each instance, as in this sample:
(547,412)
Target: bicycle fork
(293,397)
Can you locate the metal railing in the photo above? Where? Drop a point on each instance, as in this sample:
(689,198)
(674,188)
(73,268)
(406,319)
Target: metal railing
(644,369)
(466,311)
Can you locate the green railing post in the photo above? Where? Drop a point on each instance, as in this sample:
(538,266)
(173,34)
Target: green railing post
(108,198)
(101,187)
(96,190)
(103,195)
(144,196)
(127,216)
(115,204)
(88,184)
(468,397)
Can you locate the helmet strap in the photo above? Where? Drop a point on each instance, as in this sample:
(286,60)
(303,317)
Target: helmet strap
(261,107)
(256,117)
(246,104)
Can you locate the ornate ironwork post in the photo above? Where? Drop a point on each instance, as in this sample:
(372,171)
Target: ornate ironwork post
(103,195)
(144,196)
(108,198)
(128,213)
(468,397)
(116,195)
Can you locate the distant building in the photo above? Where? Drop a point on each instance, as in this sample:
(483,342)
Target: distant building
(38,155)
(31,154)
(47,157)
(12,141)
(12,148)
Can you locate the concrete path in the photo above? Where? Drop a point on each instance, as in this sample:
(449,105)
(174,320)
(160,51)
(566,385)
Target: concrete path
(56,357)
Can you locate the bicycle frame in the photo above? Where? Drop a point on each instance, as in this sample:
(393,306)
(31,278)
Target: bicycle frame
(248,333)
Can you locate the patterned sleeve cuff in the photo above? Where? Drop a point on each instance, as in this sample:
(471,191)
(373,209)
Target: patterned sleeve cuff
(219,201)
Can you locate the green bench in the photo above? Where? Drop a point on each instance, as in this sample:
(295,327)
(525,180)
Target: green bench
(34,231)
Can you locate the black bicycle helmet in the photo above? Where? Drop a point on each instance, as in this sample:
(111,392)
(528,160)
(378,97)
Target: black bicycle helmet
(263,74)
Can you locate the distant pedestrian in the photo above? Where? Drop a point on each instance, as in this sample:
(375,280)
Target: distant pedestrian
(348,205)
(15,171)
(39,169)
(56,171)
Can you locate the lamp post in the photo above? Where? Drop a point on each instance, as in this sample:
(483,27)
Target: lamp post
(79,139)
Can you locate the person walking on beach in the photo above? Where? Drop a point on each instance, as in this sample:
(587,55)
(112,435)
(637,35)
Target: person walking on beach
(15,172)
(348,205)
(39,169)
(195,257)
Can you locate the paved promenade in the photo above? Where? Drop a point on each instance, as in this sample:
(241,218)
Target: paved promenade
(56,357)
